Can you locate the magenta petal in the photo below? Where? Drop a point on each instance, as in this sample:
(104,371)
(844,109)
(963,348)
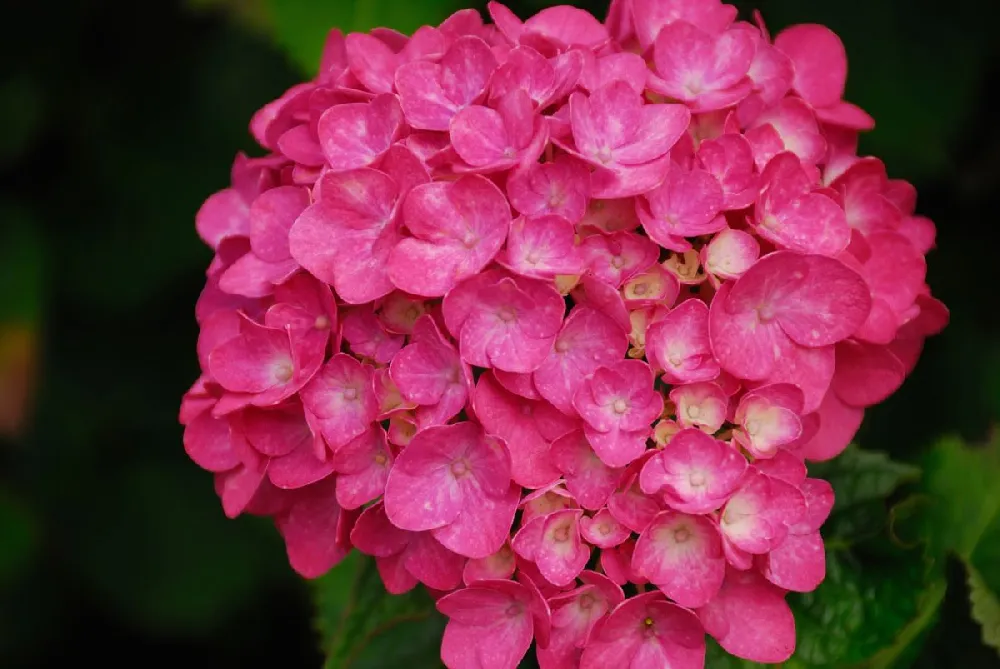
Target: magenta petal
(866,373)
(271,217)
(207,442)
(560,555)
(423,491)
(373,534)
(647,632)
(838,423)
(363,466)
(682,555)
(342,397)
(299,468)
(312,531)
(798,564)
(587,340)
(513,325)
(818,60)
(695,472)
(432,564)
(356,135)
(483,524)
(679,344)
(509,417)
(589,480)
(258,360)
(459,227)
(750,619)
(490,626)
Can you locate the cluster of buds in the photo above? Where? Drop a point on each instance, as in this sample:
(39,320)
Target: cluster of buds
(548,317)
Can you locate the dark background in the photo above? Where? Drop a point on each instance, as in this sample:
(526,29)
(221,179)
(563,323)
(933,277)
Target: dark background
(118,118)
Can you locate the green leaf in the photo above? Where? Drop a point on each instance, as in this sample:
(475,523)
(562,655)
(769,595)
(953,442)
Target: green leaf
(876,595)
(965,498)
(862,481)
(985,607)
(873,599)
(301,26)
(363,627)
(960,500)
(860,476)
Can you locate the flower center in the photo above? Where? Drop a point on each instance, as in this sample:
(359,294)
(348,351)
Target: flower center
(470,239)
(693,411)
(380,459)
(506,314)
(617,262)
(513,610)
(696,479)
(620,406)
(350,394)
(561,534)
(753,427)
(322,322)
(681,535)
(586,601)
(284,371)
(562,346)
(459,468)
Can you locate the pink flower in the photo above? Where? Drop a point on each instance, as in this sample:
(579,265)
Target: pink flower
(799,563)
(357,135)
(590,481)
(489,140)
(786,298)
(618,405)
(750,619)
(315,530)
(520,423)
(512,325)
(755,520)
(501,295)
(687,204)
(613,129)
(346,238)
(560,187)
(491,624)
(682,555)
(706,71)
(542,247)
(342,399)
(458,229)
(553,543)
(703,405)
(261,365)
(455,481)
(574,617)
(769,418)
(679,344)
(432,93)
(694,472)
(647,631)
(429,372)
(587,340)
(405,558)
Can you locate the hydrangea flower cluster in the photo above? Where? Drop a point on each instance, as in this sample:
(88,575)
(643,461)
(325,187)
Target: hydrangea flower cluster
(548,316)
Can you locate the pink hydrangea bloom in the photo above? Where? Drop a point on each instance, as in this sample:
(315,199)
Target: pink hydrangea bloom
(533,310)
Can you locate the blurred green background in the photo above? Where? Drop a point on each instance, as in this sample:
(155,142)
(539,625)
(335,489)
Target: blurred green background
(118,118)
